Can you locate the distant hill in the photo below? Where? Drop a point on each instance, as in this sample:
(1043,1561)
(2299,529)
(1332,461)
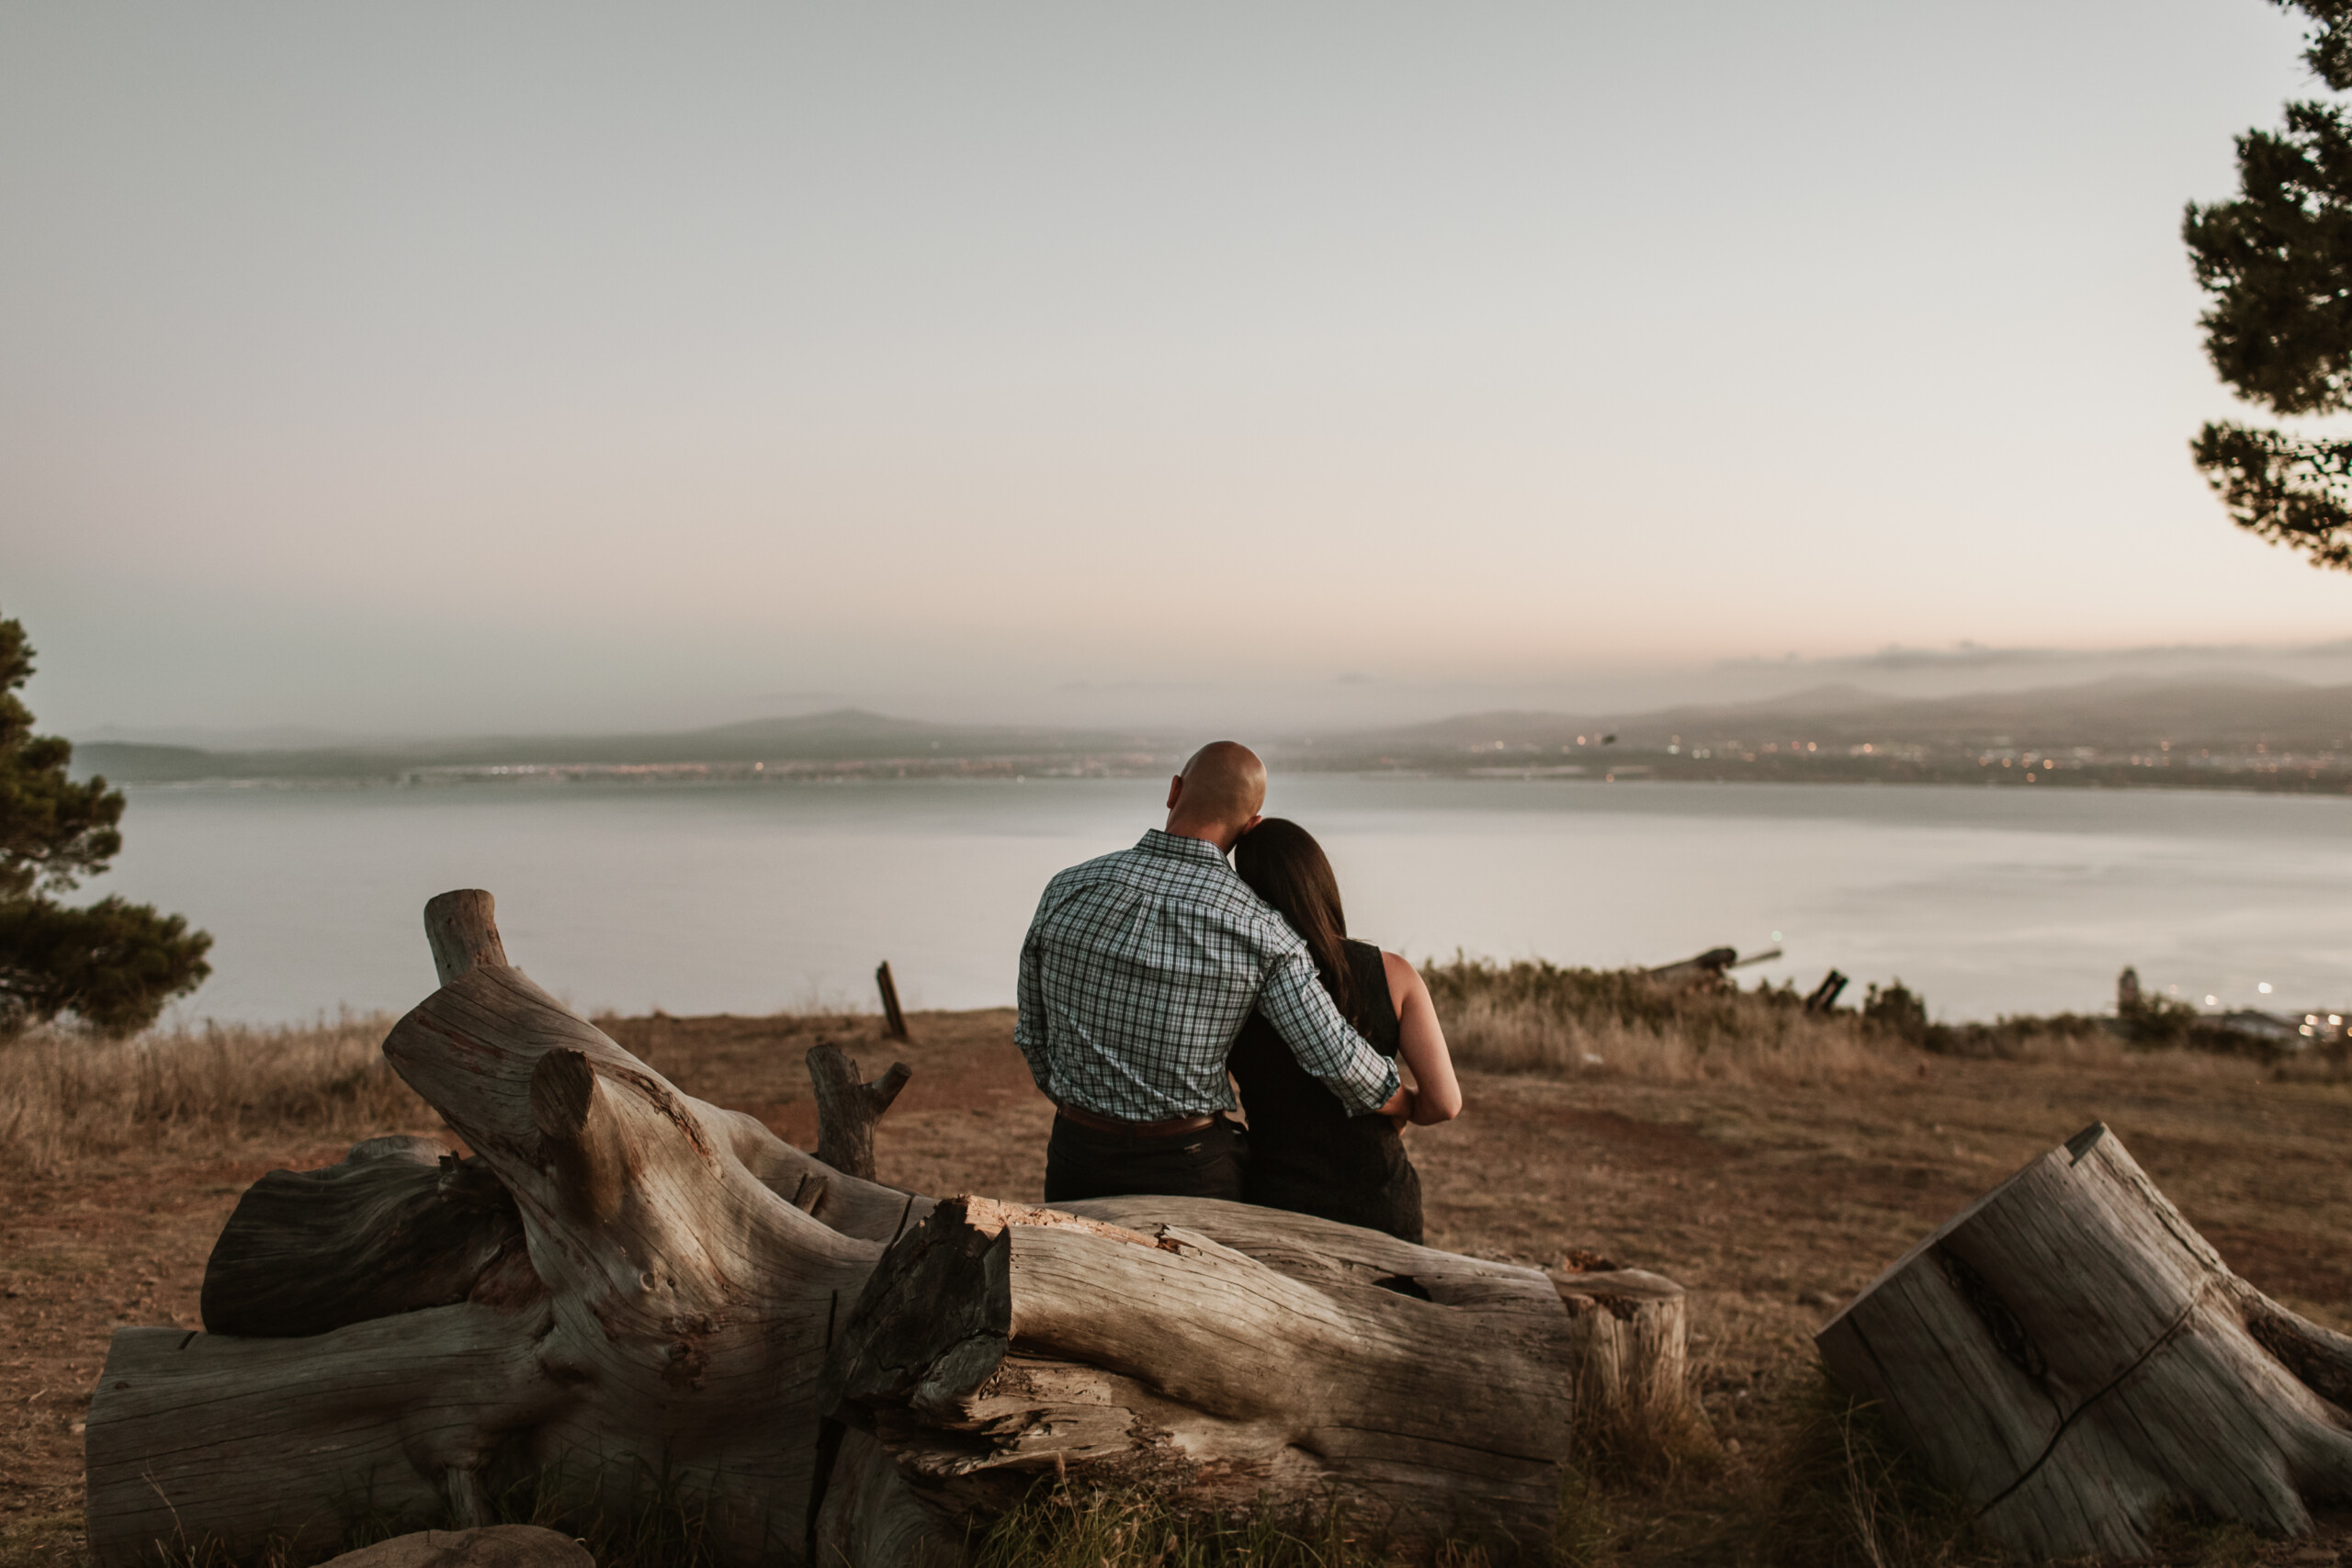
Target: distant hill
(2118,716)
(844,735)
(2120,713)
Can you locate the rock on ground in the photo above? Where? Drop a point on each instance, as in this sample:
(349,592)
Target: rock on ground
(495,1546)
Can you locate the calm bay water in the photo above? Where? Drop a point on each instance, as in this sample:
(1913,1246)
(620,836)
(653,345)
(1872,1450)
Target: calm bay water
(700,898)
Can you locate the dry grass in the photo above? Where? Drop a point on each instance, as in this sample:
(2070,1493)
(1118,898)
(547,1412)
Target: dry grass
(66,1096)
(1541,1019)
(1073,1526)
(1770,1207)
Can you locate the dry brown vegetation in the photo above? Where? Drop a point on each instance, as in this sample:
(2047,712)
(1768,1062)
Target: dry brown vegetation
(1540,1018)
(66,1096)
(1771,1162)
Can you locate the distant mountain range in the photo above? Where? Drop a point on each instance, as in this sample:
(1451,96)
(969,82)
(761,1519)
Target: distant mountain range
(844,735)
(2120,713)
(2253,716)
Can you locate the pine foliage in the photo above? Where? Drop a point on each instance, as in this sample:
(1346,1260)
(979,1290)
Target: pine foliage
(2276,263)
(113,964)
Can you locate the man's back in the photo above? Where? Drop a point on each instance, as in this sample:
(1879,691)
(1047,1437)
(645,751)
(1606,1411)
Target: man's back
(1141,966)
(1137,974)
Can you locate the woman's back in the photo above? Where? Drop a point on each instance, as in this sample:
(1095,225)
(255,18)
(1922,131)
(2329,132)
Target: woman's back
(1307,1154)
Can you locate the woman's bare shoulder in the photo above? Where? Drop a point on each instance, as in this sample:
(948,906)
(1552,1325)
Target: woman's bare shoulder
(1404,980)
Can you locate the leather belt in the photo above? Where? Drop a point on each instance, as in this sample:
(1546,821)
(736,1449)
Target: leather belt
(1174,1127)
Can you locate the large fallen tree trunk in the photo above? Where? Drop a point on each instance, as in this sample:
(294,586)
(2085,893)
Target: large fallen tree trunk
(995,1343)
(2070,1358)
(624,1286)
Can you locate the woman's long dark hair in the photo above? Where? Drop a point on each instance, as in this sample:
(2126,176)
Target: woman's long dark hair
(1284,866)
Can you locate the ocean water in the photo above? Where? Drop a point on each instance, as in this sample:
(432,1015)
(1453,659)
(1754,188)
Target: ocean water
(703,898)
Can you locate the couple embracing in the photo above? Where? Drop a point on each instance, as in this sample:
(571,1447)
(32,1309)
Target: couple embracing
(1155,979)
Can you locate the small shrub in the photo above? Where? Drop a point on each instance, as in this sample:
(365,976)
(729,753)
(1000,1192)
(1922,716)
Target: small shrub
(1896,1013)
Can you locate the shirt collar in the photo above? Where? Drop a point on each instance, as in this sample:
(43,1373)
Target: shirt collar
(1157,841)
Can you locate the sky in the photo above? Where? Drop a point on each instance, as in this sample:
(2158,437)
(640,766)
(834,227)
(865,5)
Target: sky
(452,368)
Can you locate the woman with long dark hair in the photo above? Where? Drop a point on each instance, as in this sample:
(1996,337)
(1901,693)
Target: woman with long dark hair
(1306,1153)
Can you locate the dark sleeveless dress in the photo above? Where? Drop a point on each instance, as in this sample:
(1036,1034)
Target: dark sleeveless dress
(1307,1154)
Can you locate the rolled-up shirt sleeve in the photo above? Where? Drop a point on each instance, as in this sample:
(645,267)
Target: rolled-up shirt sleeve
(1303,1014)
(1029,1029)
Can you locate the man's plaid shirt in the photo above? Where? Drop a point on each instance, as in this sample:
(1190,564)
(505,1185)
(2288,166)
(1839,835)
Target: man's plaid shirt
(1140,968)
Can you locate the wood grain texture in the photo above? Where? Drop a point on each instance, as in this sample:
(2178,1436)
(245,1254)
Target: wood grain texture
(461,928)
(2071,1358)
(197,1436)
(994,1343)
(1630,1330)
(683,1316)
(400,1223)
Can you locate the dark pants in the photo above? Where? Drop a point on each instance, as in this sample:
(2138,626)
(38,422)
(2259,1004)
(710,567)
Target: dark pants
(1084,1162)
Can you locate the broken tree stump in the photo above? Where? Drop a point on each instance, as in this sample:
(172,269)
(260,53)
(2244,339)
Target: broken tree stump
(1629,1330)
(2069,1356)
(824,1368)
(848,1107)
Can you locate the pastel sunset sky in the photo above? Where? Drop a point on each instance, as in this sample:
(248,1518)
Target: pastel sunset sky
(441,367)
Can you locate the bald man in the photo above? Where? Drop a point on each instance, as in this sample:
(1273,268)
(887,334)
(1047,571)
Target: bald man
(1139,969)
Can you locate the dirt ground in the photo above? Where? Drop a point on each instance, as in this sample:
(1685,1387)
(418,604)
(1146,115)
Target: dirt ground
(1771,1204)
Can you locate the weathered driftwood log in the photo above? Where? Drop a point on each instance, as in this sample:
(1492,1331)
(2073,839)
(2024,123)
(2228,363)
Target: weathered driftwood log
(400,1223)
(682,1302)
(2070,1357)
(848,1107)
(995,1343)
(1702,969)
